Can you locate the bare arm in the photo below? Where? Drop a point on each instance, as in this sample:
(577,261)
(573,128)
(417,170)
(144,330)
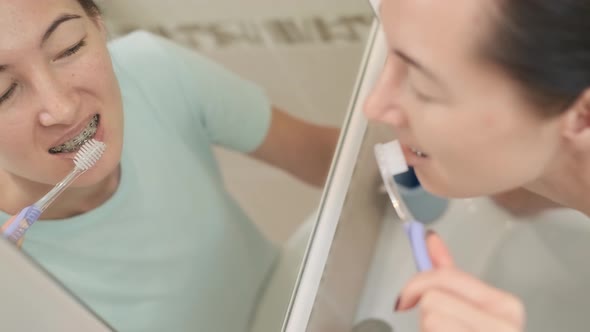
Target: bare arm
(300,148)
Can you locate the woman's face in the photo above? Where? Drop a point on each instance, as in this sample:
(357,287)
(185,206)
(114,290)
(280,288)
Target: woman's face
(57,88)
(479,134)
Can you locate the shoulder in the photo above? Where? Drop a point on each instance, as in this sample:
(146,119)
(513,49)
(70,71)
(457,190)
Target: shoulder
(136,41)
(150,62)
(139,47)
(146,56)
(147,75)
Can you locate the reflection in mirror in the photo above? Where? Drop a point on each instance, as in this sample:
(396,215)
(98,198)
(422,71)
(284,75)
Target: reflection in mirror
(220,122)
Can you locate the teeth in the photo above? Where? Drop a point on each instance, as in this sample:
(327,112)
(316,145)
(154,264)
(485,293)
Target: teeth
(418,153)
(75,143)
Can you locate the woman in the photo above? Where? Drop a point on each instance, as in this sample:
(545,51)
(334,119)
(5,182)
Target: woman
(487,97)
(148,238)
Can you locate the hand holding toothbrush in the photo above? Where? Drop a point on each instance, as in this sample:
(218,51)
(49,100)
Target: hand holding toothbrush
(449,299)
(86,157)
(452,300)
(19,243)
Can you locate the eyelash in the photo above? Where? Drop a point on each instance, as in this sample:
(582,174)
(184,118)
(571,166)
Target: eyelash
(419,95)
(73,50)
(67,53)
(422,97)
(8,93)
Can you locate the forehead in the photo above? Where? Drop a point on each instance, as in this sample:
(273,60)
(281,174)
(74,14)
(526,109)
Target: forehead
(435,24)
(22,21)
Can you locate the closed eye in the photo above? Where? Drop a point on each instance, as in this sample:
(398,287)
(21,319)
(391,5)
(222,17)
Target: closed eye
(73,50)
(422,96)
(8,93)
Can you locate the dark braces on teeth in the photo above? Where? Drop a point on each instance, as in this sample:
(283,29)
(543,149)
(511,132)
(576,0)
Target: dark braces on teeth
(79,140)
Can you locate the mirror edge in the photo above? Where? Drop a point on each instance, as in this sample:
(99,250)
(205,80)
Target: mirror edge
(343,164)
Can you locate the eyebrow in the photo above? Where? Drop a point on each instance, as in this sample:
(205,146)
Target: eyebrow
(61,19)
(414,63)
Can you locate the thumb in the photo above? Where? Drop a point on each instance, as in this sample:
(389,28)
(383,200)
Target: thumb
(439,253)
(6,224)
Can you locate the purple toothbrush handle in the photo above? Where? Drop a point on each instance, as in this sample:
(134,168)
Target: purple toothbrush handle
(417,236)
(15,223)
(21,223)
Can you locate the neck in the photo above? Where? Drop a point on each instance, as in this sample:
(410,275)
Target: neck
(567,183)
(17,192)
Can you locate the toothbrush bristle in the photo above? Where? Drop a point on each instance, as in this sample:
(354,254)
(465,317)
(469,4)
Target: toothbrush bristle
(390,156)
(89,154)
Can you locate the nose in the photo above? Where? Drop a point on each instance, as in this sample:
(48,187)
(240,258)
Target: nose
(59,102)
(384,102)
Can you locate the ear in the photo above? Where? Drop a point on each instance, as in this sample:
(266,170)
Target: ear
(576,125)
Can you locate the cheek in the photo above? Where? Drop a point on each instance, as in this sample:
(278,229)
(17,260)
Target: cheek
(17,130)
(106,81)
(91,71)
(96,77)
(17,148)
(507,160)
(477,153)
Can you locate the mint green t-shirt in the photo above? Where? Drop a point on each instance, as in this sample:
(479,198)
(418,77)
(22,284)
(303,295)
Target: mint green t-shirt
(171,250)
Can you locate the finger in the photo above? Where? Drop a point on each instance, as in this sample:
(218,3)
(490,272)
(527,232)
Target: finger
(7,223)
(464,286)
(439,253)
(440,322)
(461,313)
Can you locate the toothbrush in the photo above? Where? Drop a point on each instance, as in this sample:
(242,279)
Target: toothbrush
(86,157)
(391,162)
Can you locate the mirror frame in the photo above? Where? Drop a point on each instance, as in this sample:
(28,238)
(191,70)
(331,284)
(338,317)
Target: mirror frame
(353,130)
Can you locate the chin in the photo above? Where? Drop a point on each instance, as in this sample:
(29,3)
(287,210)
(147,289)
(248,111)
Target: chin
(444,187)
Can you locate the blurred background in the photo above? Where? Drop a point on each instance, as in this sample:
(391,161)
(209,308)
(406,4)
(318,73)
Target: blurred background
(305,53)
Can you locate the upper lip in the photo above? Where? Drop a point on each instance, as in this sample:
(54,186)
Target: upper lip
(72,132)
(411,146)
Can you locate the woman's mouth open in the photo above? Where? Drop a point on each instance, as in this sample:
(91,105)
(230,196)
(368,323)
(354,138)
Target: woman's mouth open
(418,153)
(76,142)
(413,156)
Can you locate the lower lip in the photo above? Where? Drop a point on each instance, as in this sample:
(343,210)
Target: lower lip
(411,158)
(99,136)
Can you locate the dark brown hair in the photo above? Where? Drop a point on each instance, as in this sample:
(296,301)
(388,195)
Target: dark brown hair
(90,7)
(545,46)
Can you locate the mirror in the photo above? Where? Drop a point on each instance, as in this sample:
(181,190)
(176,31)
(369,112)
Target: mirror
(305,57)
(27,288)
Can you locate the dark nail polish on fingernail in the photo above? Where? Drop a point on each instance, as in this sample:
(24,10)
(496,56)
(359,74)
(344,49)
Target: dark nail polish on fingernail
(396,308)
(429,232)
